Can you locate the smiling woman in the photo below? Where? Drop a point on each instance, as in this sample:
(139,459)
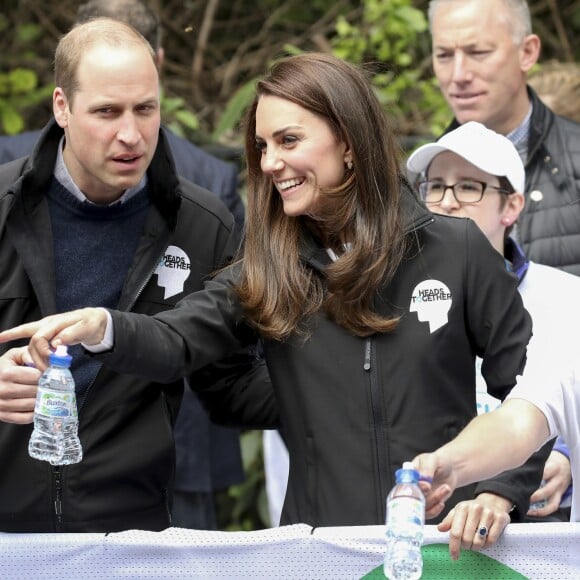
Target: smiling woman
(312,118)
(369,330)
(300,153)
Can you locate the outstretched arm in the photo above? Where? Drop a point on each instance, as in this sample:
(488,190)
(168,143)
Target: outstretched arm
(203,328)
(86,325)
(490,444)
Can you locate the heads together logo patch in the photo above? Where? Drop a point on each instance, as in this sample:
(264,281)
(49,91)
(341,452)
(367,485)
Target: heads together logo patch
(431,300)
(173,270)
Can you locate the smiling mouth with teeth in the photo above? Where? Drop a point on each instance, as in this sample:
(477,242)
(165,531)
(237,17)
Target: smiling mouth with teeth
(289,183)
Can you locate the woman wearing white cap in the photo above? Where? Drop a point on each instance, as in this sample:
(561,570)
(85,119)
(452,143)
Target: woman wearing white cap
(477,173)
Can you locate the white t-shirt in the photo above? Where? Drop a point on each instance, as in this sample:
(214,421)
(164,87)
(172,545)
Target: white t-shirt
(551,297)
(551,382)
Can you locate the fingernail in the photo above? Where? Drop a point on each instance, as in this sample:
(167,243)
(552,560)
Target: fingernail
(426,478)
(30,364)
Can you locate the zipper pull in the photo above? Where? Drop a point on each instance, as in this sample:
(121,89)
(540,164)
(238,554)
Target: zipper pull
(367,363)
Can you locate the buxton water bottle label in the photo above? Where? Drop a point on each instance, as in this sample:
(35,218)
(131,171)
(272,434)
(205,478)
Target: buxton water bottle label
(54,404)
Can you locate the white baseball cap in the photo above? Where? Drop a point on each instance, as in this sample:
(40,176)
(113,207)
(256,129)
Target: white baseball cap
(480,146)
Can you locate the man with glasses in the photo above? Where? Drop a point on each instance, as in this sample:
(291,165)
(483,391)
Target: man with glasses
(464,191)
(482,52)
(476,173)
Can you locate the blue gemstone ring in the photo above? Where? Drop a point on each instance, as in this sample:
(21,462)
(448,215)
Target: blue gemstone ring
(482,531)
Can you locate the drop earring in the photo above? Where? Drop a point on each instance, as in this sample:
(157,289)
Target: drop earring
(349,165)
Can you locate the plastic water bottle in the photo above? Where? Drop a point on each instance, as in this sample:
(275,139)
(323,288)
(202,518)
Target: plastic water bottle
(405,521)
(55,434)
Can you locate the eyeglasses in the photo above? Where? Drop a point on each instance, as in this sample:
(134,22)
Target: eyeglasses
(465,192)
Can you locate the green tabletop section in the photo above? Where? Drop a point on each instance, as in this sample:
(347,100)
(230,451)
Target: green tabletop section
(438,565)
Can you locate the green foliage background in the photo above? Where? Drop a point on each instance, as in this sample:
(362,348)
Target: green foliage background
(216,48)
(214,52)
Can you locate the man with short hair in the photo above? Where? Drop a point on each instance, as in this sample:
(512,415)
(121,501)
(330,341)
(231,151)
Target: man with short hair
(97,214)
(191,162)
(208,456)
(482,52)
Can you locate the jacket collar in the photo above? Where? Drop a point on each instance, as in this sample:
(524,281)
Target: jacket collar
(163,183)
(540,124)
(518,262)
(415,212)
(415,215)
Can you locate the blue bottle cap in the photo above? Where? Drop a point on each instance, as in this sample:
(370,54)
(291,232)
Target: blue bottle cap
(60,356)
(407,473)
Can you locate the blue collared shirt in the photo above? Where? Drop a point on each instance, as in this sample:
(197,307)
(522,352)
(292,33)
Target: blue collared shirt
(520,136)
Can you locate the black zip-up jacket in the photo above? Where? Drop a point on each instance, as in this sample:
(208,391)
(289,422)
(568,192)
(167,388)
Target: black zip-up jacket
(126,476)
(353,409)
(548,228)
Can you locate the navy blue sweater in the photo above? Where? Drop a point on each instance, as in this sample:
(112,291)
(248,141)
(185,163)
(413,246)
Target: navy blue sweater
(94,247)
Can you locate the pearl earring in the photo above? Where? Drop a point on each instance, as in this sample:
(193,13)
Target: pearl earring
(349,164)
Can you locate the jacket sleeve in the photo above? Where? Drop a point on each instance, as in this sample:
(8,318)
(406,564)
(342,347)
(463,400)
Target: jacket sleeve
(498,324)
(517,485)
(501,329)
(237,391)
(204,340)
(203,328)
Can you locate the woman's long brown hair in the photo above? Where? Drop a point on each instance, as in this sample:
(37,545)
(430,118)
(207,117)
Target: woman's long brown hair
(280,292)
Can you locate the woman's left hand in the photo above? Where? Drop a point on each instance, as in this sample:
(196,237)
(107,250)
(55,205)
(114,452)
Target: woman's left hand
(476,524)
